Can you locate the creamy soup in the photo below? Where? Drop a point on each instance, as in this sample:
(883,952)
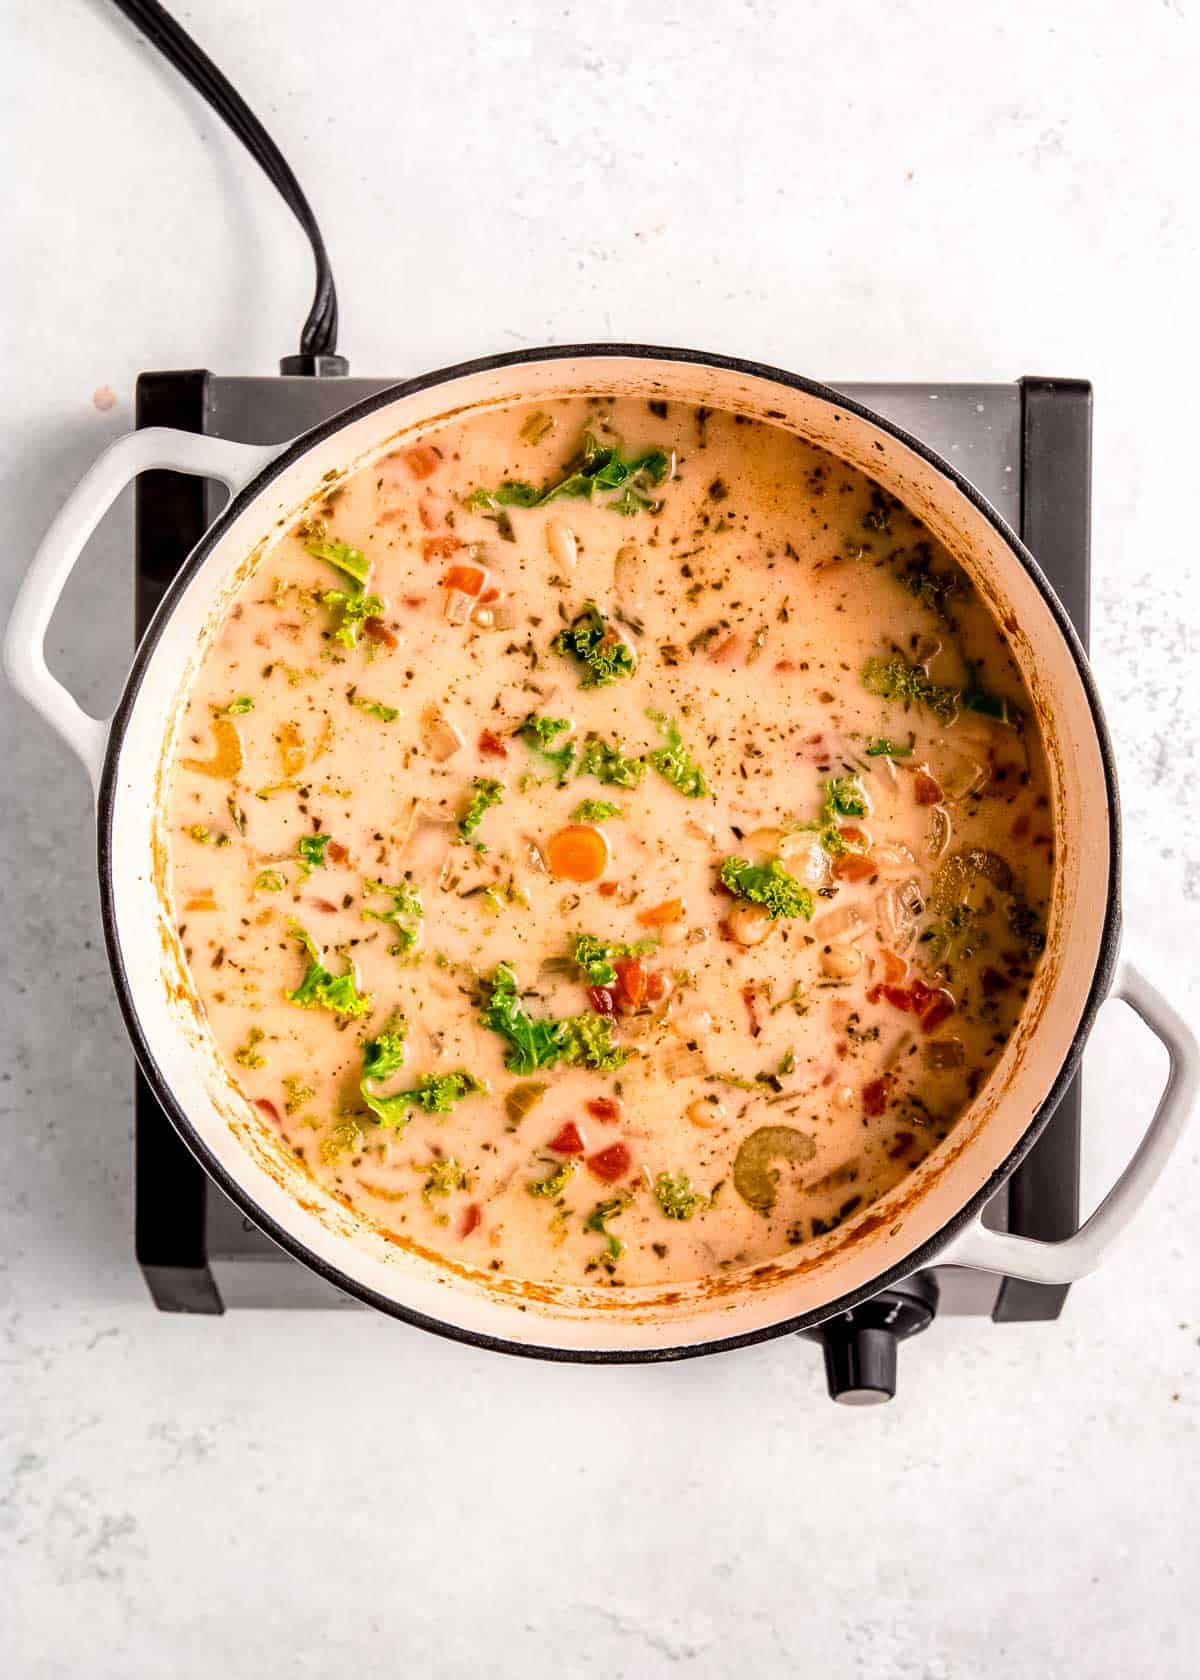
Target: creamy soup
(610,841)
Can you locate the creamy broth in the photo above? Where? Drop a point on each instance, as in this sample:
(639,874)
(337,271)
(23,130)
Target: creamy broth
(610,842)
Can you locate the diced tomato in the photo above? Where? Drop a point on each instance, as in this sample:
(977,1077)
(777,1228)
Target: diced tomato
(609,889)
(377,631)
(602,999)
(921,995)
(491,746)
(899,997)
(631,979)
(267,1107)
(468,580)
(927,791)
(472,1219)
(875,1095)
(610,1164)
(874,993)
(894,967)
(567,1141)
(422,460)
(940,1010)
(414,600)
(336,852)
(439,548)
(656,985)
(853,866)
(854,836)
(662,915)
(603,1108)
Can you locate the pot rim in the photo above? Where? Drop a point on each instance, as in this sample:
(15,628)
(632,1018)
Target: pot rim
(106,798)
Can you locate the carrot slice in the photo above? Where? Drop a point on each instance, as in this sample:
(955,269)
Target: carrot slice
(662,915)
(468,580)
(578,852)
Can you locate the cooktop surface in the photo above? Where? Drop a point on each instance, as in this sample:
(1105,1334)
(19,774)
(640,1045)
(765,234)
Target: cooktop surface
(1026,446)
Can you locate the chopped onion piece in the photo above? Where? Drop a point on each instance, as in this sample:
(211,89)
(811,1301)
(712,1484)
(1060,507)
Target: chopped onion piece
(938,838)
(440,739)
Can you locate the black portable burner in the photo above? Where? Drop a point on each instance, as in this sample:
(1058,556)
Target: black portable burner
(1027,448)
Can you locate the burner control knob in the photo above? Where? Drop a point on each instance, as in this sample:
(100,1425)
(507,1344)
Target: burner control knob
(860,1344)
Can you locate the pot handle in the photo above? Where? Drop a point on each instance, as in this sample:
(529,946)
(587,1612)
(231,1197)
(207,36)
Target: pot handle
(984,1250)
(235,464)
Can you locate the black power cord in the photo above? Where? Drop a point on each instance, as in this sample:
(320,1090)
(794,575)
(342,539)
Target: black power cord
(318,355)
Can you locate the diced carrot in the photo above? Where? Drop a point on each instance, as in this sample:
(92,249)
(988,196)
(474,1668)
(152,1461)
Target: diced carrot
(265,1106)
(662,915)
(467,580)
(491,746)
(322,904)
(472,1218)
(439,548)
(488,596)
(894,967)
(603,1108)
(336,852)
(899,997)
(656,985)
(422,460)
(377,631)
(631,978)
(610,1164)
(578,852)
(854,837)
(853,866)
(567,1141)
(609,889)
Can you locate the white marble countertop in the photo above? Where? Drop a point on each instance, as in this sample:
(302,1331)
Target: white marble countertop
(903,191)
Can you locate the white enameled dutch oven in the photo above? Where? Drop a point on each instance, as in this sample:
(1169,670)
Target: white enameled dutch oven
(934,1215)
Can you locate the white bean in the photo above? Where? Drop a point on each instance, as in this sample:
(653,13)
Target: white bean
(560,540)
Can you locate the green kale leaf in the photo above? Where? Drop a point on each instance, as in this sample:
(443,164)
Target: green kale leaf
(404,915)
(768,884)
(321,989)
(544,1042)
(674,763)
(486,791)
(604,654)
